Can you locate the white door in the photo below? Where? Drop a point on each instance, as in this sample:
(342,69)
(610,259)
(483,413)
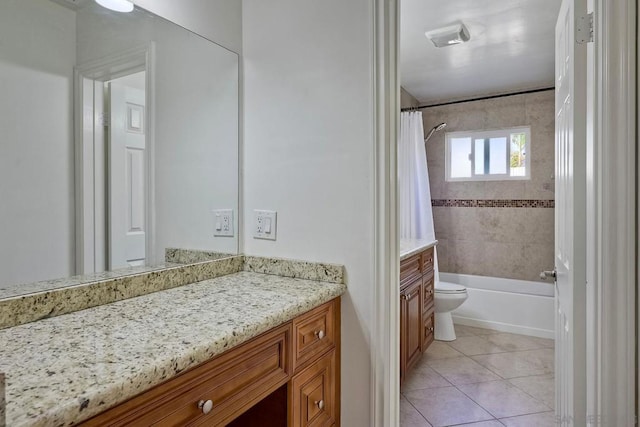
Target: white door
(127,177)
(570,217)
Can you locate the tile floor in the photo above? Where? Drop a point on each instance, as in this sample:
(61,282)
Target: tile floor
(484,378)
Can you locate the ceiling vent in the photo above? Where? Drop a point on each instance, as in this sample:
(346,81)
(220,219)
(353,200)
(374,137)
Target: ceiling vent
(448,36)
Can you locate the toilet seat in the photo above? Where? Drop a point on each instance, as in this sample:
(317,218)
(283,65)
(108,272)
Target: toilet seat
(449,288)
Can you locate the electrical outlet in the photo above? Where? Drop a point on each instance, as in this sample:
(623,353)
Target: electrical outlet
(223,222)
(265,225)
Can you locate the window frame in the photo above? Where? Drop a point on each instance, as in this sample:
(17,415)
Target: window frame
(488,134)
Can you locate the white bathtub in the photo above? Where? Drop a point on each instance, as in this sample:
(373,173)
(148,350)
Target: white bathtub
(507,305)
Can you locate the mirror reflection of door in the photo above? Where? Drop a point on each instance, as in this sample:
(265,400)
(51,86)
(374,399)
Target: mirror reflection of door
(114,173)
(125,98)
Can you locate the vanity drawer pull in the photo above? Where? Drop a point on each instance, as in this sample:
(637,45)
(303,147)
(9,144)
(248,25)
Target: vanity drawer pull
(320,334)
(320,404)
(205,406)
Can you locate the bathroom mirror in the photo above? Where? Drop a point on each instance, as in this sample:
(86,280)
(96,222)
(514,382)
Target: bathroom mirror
(119,139)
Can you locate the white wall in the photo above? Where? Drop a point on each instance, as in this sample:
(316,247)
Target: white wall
(217,20)
(36,141)
(308,154)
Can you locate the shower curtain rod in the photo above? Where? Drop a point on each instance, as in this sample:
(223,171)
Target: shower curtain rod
(524,92)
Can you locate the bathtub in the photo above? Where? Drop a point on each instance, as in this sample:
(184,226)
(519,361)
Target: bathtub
(508,305)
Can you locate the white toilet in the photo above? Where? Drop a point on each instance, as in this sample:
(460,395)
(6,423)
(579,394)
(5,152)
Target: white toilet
(448,296)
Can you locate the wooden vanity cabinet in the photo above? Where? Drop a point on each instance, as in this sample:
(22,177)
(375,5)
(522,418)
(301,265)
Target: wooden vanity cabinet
(289,376)
(416,308)
(411,324)
(313,395)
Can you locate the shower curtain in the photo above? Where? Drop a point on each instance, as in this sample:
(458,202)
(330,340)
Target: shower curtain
(416,216)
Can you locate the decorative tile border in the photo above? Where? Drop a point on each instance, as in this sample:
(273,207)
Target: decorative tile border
(483,203)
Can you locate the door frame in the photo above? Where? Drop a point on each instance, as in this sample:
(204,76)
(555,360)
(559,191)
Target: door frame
(138,58)
(384,338)
(611,236)
(612,181)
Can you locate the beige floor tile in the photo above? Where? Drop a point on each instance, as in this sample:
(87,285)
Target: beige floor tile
(546,419)
(546,342)
(446,406)
(470,331)
(463,331)
(462,370)
(492,423)
(502,399)
(543,357)
(518,364)
(542,387)
(409,416)
(439,350)
(472,346)
(515,342)
(525,362)
(423,376)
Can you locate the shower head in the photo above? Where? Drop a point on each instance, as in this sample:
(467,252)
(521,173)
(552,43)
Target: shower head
(435,129)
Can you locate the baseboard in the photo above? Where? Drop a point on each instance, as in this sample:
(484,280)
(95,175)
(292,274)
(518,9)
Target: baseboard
(504,327)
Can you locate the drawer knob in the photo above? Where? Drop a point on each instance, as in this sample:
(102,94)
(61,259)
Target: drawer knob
(205,406)
(431,329)
(320,404)
(320,334)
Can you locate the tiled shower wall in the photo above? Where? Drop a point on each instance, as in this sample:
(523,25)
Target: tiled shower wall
(495,228)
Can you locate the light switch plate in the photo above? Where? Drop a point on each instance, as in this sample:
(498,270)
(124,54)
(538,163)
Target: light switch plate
(223,222)
(265,224)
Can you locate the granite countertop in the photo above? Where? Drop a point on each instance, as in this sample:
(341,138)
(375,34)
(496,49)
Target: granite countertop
(64,370)
(409,247)
(19,289)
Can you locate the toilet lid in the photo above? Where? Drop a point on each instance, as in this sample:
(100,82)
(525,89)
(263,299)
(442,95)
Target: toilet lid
(449,288)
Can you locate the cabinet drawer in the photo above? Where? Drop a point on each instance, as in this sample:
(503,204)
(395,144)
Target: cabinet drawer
(313,334)
(313,395)
(428,330)
(428,290)
(410,269)
(427,260)
(233,382)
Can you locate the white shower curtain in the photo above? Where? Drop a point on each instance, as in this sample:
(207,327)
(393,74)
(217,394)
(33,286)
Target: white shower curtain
(416,216)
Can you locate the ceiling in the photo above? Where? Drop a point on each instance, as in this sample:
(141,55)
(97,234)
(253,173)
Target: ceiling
(511,48)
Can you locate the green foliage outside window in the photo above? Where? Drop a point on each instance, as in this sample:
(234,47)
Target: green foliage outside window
(518,143)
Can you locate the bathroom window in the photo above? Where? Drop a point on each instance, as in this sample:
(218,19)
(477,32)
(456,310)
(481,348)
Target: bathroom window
(492,155)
